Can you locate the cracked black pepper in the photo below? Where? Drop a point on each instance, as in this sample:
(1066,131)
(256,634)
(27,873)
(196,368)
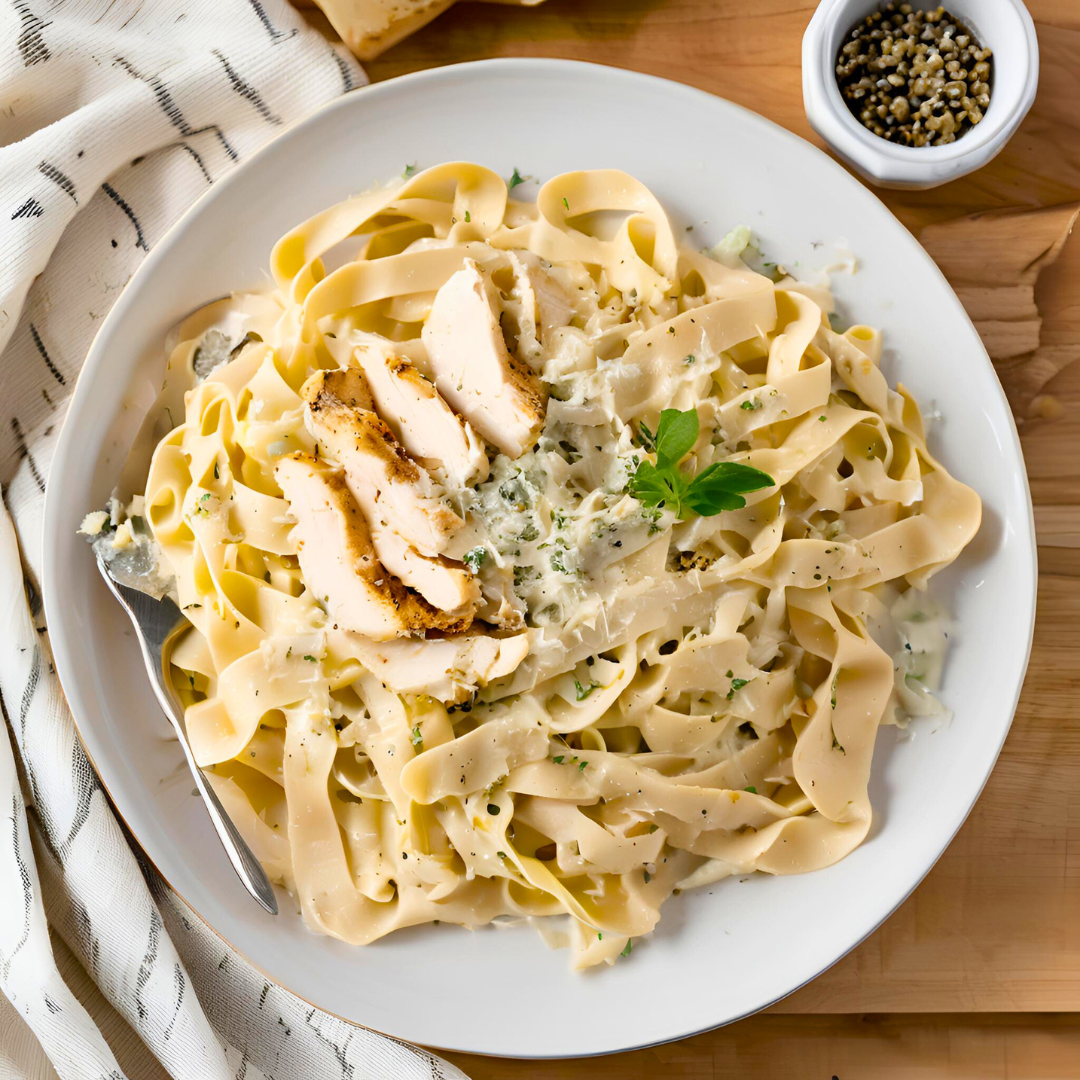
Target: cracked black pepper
(915,78)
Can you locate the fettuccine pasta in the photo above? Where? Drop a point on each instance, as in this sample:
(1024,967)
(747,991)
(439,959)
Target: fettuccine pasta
(444,664)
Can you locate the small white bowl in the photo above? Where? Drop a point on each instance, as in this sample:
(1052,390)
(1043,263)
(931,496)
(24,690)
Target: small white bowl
(1003,25)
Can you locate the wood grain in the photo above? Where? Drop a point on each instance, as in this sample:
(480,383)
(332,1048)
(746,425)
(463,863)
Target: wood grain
(994,931)
(872,1047)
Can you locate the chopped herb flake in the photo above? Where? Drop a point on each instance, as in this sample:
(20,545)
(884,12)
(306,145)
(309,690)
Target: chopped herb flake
(475,558)
(584,691)
(736,685)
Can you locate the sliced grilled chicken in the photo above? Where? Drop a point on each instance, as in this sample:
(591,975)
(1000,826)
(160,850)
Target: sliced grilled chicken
(473,370)
(448,669)
(391,488)
(338,560)
(441,582)
(422,421)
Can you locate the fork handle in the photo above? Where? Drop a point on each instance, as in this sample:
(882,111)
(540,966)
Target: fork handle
(243,860)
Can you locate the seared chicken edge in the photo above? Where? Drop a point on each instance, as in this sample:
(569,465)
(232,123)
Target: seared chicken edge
(339,562)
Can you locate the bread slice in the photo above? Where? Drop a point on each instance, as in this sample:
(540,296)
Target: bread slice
(370,27)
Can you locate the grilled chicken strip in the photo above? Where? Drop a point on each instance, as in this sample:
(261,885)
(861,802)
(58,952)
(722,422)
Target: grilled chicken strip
(447,585)
(473,370)
(391,488)
(447,669)
(338,559)
(422,421)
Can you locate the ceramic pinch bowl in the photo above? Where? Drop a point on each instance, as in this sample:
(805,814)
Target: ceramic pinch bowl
(1005,26)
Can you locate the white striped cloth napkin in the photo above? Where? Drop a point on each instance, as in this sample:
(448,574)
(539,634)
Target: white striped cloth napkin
(114,116)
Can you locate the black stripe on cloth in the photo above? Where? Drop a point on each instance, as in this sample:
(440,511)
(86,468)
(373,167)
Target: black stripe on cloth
(276,35)
(347,80)
(30,208)
(247,91)
(45,356)
(162,94)
(168,106)
(148,961)
(181,982)
(39,808)
(140,240)
(198,160)
(85,786)
(91,950)
(31,44)
(62,181)
(24,453)
(262,996)
(27,888)
(29,691)
(50,1004)
(233,155)
(339,1051)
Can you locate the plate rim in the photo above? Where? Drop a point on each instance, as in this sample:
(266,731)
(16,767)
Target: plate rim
(541,66)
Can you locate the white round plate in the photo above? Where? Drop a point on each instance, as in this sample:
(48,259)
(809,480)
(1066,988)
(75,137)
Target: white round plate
(720,953)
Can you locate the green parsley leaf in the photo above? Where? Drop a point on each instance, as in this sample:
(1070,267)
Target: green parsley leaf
(581,767)
(559,760)
(751,789)
(627,948)
(566,204)
(409,170)
(736,685)
(514,180)
(468,217)
(645,436)
(662,486)
(417,737)
(676,435)
(718,487)
(310,658)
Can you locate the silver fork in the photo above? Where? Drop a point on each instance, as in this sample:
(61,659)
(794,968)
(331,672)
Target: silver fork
(155,622)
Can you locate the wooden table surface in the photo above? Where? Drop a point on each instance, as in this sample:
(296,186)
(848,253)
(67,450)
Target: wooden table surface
(978,974)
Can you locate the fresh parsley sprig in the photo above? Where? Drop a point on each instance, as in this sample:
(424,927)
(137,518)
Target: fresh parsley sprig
(718,487)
